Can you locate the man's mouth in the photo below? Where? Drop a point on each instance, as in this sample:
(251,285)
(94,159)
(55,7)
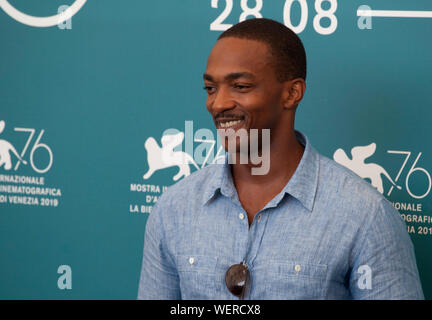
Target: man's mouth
(229,123)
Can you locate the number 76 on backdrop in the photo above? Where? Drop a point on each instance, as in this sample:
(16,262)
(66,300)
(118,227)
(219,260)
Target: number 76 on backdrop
(252,9)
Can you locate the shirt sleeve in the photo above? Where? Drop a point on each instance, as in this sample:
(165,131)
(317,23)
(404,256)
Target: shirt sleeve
(384,264)
(159,279)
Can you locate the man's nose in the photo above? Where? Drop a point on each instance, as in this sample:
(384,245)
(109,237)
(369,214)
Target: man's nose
(222,101)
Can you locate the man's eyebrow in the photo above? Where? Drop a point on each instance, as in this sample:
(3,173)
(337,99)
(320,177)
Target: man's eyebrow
(236,75)
(207,77)
(231,76)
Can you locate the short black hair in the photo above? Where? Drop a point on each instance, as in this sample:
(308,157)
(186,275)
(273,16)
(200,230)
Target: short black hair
(285,46)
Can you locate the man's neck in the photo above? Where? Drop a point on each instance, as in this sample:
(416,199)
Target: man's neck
(285,155)
(255,191)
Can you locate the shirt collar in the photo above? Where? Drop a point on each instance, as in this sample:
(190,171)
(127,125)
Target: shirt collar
(302,185)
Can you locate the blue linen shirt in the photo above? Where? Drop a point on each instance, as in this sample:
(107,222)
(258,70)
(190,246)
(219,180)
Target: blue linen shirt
(327,235)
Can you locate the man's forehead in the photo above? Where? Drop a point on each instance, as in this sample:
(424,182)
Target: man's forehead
(239,49)
(234,55)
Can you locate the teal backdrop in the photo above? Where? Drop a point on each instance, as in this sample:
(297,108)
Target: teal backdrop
(79,100)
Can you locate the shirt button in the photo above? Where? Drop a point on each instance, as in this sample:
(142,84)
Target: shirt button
(241,216)
(297,268)
(259,217)
(191,260)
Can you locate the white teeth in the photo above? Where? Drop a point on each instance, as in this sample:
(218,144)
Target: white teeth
(229,123)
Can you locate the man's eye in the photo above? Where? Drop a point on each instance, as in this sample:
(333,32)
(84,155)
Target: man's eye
(209,89)
(242,86)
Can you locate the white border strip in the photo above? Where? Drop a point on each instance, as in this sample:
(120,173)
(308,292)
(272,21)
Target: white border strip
(394,13)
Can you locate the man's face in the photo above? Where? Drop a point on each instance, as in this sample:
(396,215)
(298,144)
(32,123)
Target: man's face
(243,91)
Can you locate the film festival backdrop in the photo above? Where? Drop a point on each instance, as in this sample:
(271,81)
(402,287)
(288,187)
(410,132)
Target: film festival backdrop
(92,92)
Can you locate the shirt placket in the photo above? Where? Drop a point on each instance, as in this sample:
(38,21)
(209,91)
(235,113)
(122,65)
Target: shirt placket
(255,235)
(242,246)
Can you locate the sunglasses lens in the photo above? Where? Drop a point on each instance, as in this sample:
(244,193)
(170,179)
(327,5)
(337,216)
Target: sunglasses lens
(236,279)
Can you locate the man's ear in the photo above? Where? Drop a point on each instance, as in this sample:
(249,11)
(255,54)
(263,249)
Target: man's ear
(293,92)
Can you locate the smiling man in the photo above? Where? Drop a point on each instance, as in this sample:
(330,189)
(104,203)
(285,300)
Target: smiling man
(307,229)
